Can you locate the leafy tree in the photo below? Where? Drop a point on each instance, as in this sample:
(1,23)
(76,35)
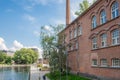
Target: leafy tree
(8,60)
(83,6)
(51,47)
(2,57)
(25,56)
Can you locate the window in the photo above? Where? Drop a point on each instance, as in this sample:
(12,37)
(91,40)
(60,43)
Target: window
(115,10)
(76,45)
(115,62)
(72,47)
(115,37)
(70,35)
(75,32)
(104,40)
(103,17)
(80,30)
(103,62)
(94,43)
(94,62)
(94,22)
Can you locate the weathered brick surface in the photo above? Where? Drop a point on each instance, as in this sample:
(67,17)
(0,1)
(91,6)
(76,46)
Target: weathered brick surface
(80,60)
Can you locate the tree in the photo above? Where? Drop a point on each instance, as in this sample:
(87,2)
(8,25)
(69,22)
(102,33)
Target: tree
(8,60)
(83,6)
(51,47)
(25,56)
(2,57)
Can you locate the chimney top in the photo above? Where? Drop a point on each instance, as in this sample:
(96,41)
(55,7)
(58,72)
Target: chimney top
(67,12)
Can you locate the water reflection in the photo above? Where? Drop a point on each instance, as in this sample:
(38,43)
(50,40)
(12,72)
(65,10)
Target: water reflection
(14,73)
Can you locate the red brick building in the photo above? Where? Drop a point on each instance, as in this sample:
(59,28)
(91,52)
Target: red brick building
(94,39)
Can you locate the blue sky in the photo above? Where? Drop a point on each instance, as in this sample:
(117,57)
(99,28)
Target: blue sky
(20,20)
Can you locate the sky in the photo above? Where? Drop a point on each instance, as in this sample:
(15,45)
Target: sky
(20,20)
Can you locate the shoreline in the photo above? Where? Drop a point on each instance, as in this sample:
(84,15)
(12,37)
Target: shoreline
(15,65)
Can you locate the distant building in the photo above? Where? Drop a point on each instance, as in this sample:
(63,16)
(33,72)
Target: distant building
(8,52)
(44,62)
(35,49)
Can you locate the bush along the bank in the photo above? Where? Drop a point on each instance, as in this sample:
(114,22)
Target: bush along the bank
(25,56)
(57,75)
(4,59)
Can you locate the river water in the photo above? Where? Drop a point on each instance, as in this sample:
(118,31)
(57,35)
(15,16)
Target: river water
(14,73)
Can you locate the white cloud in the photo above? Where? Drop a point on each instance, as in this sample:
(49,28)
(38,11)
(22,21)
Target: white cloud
(9,10)
(36,33)
(2,44)
(16,46)
(36,2)
(29,18)
(28,8)
(58,21)
(48,28)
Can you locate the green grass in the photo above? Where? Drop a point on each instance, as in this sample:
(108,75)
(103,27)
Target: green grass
(56,76)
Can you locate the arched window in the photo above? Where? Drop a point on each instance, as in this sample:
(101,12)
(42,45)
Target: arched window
(94,43)
(115,37)
(115,10)
(94,22)
(102,17)
(104,40)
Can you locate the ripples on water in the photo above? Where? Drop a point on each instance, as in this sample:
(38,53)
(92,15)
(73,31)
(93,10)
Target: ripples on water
(14,73)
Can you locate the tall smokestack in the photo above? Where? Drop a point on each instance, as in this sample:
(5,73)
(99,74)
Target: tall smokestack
(67,12)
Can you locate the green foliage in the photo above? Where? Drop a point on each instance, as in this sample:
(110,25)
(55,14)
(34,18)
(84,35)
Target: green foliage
(25,56)
(52,49)
(2,57)
(56,76)
(8,60)
(83,6)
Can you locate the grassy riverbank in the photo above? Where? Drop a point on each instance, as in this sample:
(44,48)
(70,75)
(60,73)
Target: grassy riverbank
(56,76)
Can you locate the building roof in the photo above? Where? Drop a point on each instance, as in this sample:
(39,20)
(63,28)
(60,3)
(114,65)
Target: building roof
(92,6)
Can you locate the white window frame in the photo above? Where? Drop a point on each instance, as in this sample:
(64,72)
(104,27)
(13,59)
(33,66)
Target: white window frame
(94,62)
(103,62)
(79,30)
(75,32)
(103,40)
(77,45)
(94,43)
(115,10)
(70,35)
(94,22)
(115,37)
(103,17)
(115,62)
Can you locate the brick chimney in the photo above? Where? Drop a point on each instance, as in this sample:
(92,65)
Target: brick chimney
(67,12)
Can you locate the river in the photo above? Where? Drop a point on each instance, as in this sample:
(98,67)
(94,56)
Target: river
(14,73)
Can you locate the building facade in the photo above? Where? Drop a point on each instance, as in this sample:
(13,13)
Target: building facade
(94,39)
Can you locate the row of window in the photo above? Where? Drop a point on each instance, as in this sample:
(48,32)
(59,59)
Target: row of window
(115,35)
(103,18)
(76,32)
(104,63)
(74,46)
